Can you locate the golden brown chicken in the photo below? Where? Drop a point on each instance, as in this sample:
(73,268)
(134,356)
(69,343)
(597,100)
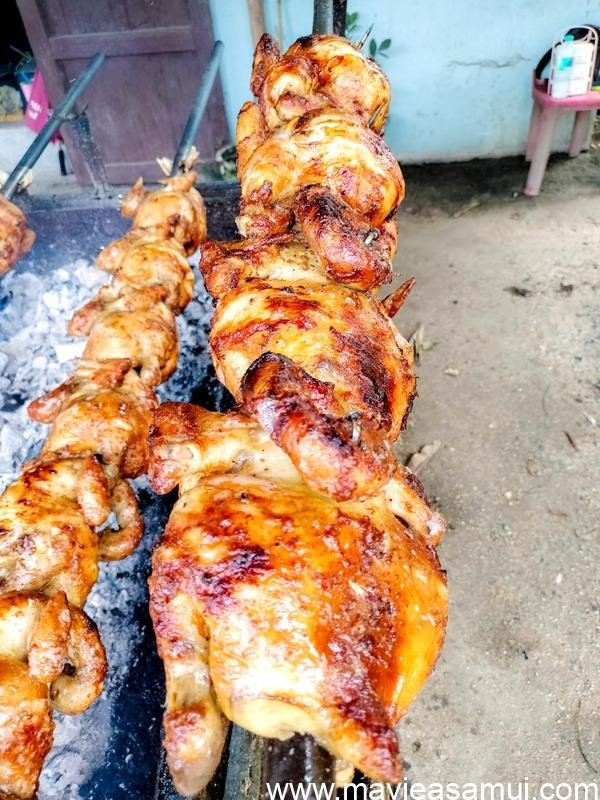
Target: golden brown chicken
(15,237)
(318,72)
(48,518)
(50,657)
(151,264)
(279,607)
(105,410)
(322,368)
(135,327)
(325,148)
(175,211)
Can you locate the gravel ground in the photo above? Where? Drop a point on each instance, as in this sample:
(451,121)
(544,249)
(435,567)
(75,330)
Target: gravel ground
(507,294)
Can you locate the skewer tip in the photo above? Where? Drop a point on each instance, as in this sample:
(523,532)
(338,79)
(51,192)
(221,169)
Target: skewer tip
(365,36)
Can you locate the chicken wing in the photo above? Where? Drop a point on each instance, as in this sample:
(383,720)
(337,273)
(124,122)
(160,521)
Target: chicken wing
(286,610)
(15,237)
(319,148)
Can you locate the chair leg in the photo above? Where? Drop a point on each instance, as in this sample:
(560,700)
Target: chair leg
(541,153)
(534,130)
(580,131)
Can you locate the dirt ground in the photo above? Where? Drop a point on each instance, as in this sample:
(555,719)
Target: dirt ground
(507,293)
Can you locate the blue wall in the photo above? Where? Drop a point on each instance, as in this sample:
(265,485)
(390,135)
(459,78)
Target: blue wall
(460,71)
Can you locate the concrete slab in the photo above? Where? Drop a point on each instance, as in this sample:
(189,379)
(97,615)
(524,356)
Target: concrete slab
(515,694)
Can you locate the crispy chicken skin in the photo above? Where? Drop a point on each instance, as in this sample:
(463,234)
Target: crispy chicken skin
(15,237)
(175,211)
(283,257)
(324,370)
(50,657)
(338,235)
(317,72)
(110,422)
(146,336)
(284,609)
(150,265)
(337,335)
(319,148)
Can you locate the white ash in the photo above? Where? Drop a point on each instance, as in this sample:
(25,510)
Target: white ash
(36,353)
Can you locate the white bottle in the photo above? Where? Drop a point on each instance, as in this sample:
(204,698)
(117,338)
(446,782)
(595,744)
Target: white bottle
(564,53)
(583,63)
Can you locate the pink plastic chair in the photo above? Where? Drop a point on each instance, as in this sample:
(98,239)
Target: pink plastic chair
(544,116)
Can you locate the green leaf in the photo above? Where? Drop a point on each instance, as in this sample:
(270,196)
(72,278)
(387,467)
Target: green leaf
(372,48)
(385,44)
(351,22)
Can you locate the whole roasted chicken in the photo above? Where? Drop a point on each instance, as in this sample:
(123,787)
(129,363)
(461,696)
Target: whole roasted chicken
(280,608)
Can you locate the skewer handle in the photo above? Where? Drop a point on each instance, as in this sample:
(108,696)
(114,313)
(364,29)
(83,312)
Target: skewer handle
(195,118)
(40,142)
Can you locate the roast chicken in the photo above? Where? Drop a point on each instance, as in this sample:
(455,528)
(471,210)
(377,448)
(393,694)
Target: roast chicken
(318,72)
(16,238)
(280,608)
(103,409)
(50,657)
(321,366)
(174,212)
(296,587)
(54,519)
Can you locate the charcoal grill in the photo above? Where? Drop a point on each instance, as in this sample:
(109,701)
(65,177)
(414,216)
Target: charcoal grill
(113,751)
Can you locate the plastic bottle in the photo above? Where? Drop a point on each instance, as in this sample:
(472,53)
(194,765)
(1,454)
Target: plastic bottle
(583,60)
(564,53)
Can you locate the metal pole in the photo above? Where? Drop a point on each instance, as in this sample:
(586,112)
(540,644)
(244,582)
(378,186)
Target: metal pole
(323,17)
(195,118)
(339,17)
(40,142)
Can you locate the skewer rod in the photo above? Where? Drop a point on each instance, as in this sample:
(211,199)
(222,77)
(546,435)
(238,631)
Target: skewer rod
(196,114)
(340,8)
(323,17)
(40,142)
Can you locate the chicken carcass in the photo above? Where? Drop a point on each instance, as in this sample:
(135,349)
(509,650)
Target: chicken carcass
(281,608)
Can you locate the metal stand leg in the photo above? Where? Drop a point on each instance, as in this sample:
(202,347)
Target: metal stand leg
(534,129)
(540,156)
(580,131)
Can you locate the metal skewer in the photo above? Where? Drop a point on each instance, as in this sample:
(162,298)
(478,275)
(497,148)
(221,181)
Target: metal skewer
(195,118)
(323,17)
(40,142)
(365,36)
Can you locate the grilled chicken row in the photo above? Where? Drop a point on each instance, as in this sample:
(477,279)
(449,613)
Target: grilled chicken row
(54,519)
(296,587)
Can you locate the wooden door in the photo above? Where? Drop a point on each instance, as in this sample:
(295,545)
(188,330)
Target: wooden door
(138,103)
